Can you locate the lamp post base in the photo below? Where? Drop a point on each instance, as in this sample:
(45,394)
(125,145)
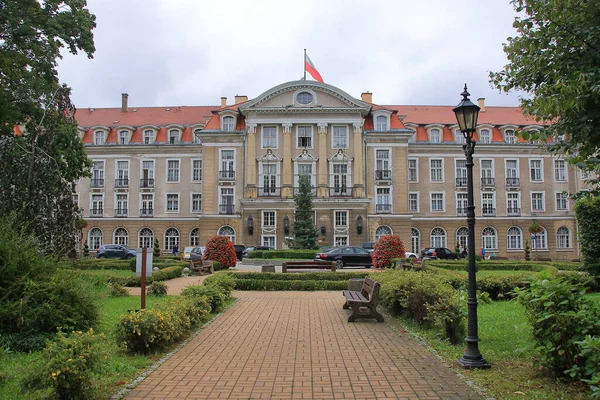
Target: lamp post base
(479,362)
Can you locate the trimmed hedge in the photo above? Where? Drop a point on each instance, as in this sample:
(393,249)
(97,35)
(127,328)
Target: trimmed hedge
(489,265)
(298,276)
(305,285)
(287,254)
(118,264)
(157,276)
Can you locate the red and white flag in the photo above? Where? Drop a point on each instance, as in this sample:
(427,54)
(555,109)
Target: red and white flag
(310,68)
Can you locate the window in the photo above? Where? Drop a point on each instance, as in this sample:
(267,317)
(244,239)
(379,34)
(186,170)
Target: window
(174,136)
(438,237)
(415,240)
(172,170)
(269,137)
(462,237)
(340,241)
(535,170)
(514,238)
(413,202)
(228,124)
(195,237)
(537,201)
(513,203)
(341,219)
(562,203)
(121,205)
(413,175)
(461,173)
(95,238)
(147,203)
(172,202)
(485,136)
(563,238)
(304,169)
(196,135)
(268,219)
(340,137)
(340,179)
(304,136)
(146,238)
(196,202)
(97,205)
(269,241)
(228,232)
(226,203)
(122,174)
(383,200)
(487,172)
(512,173)
(539,240)
(227,164)
(99,137)
(509,137)
(269,180)
(304,98)
(97,180)
(437,201)
(489,238)
(171,238)
(147,174)
(382,230)
(461,203)
(381,123)
(488,203)
(435,135)
(383,164)
(459,137)
(121,237)
(196,170)
(148,136)
(436,167)
(560,171)
(123,137)
(75,200)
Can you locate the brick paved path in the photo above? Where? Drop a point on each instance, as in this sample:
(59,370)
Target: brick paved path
(298,345)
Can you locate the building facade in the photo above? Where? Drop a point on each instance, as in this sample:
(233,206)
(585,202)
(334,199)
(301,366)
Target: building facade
(184,174)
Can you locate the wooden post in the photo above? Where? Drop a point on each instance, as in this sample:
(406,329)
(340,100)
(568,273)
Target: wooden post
(144,251)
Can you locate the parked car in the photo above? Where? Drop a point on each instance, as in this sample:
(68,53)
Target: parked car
(347,256)
(409,254)
(438,252)
(115,251)
(368,246)
(325,249)
(239,251)
(250,249)
(185,256)
(197,253)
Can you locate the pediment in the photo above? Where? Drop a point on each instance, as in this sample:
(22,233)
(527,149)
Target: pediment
(269,156)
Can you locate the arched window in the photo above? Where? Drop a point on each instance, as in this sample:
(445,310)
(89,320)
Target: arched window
(197,139)
(415,240)
(509,136)
(381,231)
(195,237)
(438,237)
(540,240)
(228,124)
(462,237)
(171,238)
(514,238)
(563,238)
(95,238)
(435,135)
(174,136)
(381,123)
(228,232)
(489,238)
(146,238)
(121,237)
(459,137)
(485,136)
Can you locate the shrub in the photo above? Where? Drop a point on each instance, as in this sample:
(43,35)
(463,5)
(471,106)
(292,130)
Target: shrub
(67,366)
(387,248)
(145,331)
(167,273)
(220,249)
(116,290)
(157,289)
(499,286)
(587,368)
(224,281)
(86,249)
(156,249)
(588,220)
(284,254)
(215,295)
(448,314)
(297,276)
(527,251)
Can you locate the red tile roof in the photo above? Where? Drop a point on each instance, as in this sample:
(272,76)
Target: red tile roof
(425,115)
(160,116)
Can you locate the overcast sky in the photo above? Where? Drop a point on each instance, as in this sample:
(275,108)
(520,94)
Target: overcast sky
(192,52)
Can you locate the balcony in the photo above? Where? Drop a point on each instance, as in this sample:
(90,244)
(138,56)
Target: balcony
(227,209)
(122,183)
(488,211)
(313,191)
(461,182)
(147,183)
(227,175)
(97,183)
(513,212)
(488,182)
(340,191)
(383,175)
(96,212)
(269,191)
(512,182)
(120,212)
(461,211)
(146,212)
(383,208)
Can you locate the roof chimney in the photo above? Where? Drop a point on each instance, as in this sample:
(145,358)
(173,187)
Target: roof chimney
(481,103)
(367,97)
(240,99)
(223,101)
(124,97)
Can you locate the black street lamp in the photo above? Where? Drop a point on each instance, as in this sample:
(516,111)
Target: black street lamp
(466,115)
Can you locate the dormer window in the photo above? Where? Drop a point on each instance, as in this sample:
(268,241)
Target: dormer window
(435,135)
(228,124)
(99,137)
(123,137)
(485,136)
(381,123)
(197,139)
(148,136)
(459,137)
(174,136)
(509,136)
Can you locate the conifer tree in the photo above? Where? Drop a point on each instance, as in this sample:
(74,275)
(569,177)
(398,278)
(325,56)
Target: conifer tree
(305,233)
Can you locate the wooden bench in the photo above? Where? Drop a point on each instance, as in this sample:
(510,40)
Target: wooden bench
(202,266)
(364,302)
(308,265)
(414,264)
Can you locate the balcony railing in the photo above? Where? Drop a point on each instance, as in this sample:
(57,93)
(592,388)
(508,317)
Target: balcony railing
(227,175)
(121,183)
(120,212)
(146,183)
(488,211)
(461,182)
(512,182)
(96,212)
(97,183)
(269,191)
(340,191)
(383,175)
(146,212)
(461,211)
(227,209)
(513,211)
(488,182)
(313,191)
(383,208)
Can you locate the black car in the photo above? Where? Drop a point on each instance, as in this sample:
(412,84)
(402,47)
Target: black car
(115,251)
(368,246)
(347,256)
(197,253)
(441,253)
(250,249)
(239,251)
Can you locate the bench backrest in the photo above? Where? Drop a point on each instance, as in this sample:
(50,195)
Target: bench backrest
(370,289)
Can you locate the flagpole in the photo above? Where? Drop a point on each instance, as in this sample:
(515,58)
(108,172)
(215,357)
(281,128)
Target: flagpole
(304,66)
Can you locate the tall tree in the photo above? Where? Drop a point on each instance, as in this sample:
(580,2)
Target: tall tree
(43,159)
(305,233)
(555,59)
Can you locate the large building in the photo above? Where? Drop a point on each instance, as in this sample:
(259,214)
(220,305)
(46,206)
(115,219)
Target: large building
(183,174)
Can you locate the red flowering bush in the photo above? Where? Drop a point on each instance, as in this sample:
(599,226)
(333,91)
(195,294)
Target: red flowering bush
(386,249)
(220,249)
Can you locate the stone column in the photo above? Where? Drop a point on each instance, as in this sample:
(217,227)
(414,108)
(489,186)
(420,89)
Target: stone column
(323,167)
(251,175)
(287,168)
(358,177)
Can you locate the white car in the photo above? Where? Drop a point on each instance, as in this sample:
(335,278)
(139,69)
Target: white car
(409,254)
